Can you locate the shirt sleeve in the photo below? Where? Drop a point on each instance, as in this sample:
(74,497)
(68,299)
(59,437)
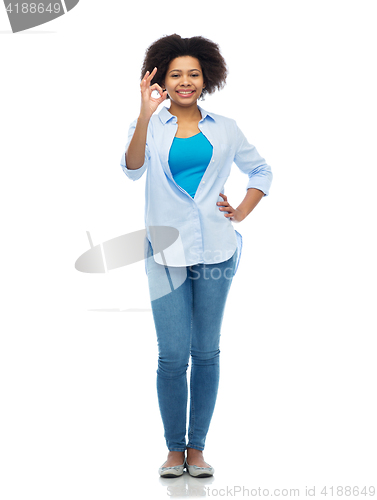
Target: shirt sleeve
(249,161)
(135,173)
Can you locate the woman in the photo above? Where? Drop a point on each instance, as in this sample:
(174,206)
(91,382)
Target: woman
(187,153)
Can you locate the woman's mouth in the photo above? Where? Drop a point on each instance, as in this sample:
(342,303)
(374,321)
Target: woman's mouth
(185,93)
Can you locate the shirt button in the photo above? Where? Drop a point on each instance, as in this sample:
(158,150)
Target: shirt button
(203,182)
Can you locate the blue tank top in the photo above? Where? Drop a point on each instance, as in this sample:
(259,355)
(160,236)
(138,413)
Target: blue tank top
(188,160)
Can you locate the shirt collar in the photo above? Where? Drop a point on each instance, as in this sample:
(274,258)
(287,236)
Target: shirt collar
(165,115)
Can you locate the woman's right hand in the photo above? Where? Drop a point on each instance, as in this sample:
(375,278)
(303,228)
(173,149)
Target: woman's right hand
(149,104)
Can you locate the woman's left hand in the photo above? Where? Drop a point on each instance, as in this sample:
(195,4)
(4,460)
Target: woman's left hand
(233,213)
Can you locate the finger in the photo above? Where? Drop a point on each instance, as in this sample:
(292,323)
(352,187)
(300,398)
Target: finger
(147,76)
(223,196)
(143,83)
(146,80)
(161,97)
(150,77)
(156,86)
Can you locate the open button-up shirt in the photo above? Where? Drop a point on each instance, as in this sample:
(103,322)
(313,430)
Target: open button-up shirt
(205,234)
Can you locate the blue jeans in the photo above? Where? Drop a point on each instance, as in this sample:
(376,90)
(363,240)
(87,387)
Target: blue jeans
(188,322)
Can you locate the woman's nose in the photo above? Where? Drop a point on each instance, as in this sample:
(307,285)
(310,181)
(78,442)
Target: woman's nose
(185,80)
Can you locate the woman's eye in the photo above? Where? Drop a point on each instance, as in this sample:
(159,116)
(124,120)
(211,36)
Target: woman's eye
(176,76)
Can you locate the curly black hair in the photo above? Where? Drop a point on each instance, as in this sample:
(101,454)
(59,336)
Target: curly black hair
(165,49)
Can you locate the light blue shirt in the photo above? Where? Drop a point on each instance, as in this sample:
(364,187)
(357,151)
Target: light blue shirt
(205,235)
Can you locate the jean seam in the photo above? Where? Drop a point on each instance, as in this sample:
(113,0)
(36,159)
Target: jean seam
(192,408)
(201,448)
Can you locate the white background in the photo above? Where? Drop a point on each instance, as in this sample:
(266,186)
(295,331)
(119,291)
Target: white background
(296,406)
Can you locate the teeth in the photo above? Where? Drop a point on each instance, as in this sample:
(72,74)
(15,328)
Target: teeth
(190,92)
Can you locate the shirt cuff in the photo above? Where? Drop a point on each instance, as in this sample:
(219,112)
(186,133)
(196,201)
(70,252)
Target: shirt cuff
(261,182)
(133,174)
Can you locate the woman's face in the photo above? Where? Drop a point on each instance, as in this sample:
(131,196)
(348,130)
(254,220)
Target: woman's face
(184,80)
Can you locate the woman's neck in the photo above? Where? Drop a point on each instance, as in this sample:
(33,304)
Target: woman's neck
(189,114)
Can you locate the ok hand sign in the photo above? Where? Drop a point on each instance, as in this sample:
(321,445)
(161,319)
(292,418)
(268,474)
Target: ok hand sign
(149,104)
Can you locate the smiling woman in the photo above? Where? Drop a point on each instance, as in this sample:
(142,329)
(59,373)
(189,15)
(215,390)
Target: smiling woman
(212,64)
(187,153)
(184,80)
